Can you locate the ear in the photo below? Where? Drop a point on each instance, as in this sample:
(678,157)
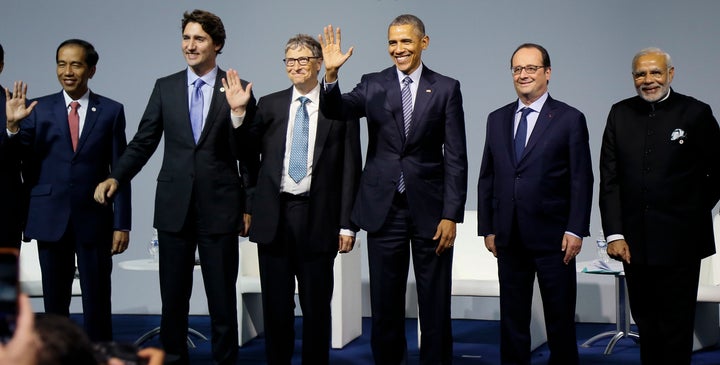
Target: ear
(425,42)
(671,74)
(92,72)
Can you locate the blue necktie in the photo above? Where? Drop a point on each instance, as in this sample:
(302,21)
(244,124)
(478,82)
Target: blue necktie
(297,167)
(521,134)
(196,109)
(407,105)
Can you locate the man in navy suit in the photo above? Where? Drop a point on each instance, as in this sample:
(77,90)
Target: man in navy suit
(413,188)
(200,197)
(301,217)
(534,199)
(70,141)
(12,209)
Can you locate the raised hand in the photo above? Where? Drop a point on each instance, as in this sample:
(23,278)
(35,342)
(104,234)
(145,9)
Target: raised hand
(237,96)
(332,52)
(16,108)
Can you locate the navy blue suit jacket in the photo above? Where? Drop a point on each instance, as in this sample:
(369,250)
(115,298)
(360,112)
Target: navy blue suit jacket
(62,181)
(433,157)
(549,190)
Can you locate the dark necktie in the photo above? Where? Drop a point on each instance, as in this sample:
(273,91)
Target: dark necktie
(74,123)
(196,109)
(407,105)
(521,134)
(297,167)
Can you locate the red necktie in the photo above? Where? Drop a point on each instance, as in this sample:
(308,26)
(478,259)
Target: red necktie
(74,122)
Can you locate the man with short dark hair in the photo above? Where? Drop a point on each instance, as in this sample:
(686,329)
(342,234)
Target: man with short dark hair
(68,142)
(413,188)
(659,181)
(200,197)
(534,202)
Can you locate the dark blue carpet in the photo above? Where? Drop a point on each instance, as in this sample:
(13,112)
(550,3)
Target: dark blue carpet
(475,342)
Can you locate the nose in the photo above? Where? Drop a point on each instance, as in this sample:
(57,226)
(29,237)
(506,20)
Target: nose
(67,70)
(398,48)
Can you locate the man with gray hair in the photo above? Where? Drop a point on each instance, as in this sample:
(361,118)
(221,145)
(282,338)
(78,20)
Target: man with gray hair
(659,181)
(307,182)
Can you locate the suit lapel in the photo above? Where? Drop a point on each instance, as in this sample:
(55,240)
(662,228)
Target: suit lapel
(543,122)
(508,131)
(422,99)
(91,116)
(393,99)
(216,107)
(60,112)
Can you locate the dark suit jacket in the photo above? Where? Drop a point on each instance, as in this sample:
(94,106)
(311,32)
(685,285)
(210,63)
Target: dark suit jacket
(12,209)
(433,158)
(658,191)
(208,171)
(549,190)
(62,181)
(334,180)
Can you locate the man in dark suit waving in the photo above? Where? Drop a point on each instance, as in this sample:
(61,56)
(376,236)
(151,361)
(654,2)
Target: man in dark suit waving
(659,181)
(12,209)
(199,202)
(413,188)
(301,217)
(534,199)
(69,142)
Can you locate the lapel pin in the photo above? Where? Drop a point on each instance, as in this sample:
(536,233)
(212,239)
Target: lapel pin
(428,90)
(222,89)
(93,109)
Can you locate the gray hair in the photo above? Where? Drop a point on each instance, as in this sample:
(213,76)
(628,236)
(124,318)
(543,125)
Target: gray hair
(652,50)
(409,19)
(304,41)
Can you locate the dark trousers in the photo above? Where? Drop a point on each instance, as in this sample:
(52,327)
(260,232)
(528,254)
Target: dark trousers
(281,261)
(94,263)
(662,300)
(389,251)
(219,264)
(517,267)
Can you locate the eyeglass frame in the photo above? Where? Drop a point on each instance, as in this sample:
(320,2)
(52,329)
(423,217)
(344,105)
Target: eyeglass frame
(299,60)
(519,69)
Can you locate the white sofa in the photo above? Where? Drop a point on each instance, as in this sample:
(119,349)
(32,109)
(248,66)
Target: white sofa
(345,306)
(474,274)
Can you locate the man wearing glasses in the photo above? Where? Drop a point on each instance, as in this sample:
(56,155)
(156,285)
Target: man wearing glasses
(301,213)
(534,199)
(659,181)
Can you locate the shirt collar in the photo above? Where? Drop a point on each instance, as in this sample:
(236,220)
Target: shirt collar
(414,76)
(313,95)
(208,78)
(84,100)
(536,105)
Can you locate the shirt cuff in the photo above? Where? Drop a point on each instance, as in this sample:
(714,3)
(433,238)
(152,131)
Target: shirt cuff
(237,120)
(329,85)
(572,234)
(615,237)
(347,232)
(11,134)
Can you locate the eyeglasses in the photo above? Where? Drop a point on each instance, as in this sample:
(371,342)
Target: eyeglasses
(655,74)
(530,69)
(302,61)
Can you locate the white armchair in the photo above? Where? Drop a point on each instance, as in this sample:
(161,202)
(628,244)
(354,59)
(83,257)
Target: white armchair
(30,274)
(345,305)
(707,317)
(474,274)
